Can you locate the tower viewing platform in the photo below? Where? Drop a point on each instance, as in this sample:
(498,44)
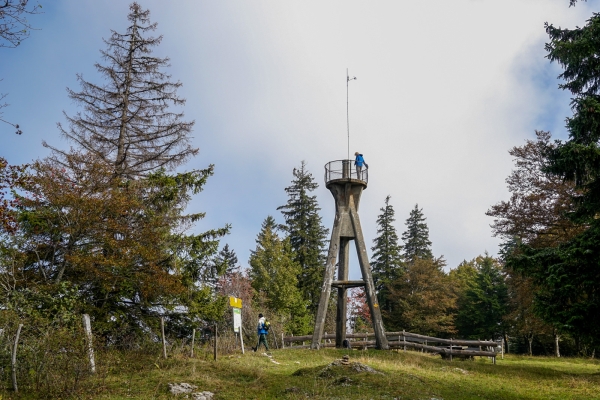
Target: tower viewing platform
(343,171)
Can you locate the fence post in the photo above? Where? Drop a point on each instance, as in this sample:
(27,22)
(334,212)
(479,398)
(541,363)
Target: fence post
(242,341)
(164,341)
(451,349)
(193,339)
(404,339)
(274,339)
(215,346)
(14,359)
(87,326)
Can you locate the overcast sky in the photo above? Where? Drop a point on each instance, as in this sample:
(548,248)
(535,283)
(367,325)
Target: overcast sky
(444,90)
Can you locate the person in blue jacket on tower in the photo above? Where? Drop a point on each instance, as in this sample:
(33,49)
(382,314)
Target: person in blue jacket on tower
(359,161)
(262,330)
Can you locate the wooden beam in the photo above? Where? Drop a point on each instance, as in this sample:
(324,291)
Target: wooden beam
(347,284)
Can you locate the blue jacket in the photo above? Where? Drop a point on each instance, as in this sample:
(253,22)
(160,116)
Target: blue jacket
(359,161)
(261,327)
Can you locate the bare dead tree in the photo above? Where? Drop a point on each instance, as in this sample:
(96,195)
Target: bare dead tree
(127,122)
(14,27)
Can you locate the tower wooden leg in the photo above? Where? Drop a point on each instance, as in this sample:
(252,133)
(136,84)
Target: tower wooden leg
(340,331)
(326,289)
(365,268)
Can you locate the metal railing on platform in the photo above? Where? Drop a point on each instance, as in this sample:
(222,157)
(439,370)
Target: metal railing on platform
(345,169)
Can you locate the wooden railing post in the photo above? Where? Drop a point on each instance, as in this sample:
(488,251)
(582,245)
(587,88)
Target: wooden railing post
(87,326)
(162,332)
(215,347)
(193,338)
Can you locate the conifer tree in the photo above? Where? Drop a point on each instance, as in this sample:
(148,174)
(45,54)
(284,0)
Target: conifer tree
(127,121)
(416,237)
(483,303)
(224,263)
(306,233)
(386,262)
(118,241)
(274,278)
(423,300)
(229,260)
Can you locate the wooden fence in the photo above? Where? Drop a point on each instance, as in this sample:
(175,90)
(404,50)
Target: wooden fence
(447,348)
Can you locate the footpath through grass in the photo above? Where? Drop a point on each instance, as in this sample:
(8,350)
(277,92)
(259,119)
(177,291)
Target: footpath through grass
(301,374)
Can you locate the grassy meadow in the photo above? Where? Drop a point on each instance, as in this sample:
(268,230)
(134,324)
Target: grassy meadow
(301,374)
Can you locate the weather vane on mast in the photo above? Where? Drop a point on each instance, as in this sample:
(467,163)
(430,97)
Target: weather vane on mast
(348,79)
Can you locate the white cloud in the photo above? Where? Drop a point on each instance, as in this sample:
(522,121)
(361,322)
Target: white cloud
(444,89)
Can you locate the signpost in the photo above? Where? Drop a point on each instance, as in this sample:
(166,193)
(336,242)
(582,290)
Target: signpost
(237,320)
(236,305)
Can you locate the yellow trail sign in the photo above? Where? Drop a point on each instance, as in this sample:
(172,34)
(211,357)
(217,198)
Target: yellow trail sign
(235,302)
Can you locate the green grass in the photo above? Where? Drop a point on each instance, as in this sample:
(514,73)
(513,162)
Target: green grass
(405,375)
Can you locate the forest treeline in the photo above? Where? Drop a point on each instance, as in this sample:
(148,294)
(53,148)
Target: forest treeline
(101,228)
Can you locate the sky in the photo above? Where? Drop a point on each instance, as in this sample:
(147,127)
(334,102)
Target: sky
(444,89)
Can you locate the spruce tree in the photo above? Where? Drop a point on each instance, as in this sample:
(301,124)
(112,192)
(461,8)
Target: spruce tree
(274,278)
(127,121)
(416,237)
(224,263)
(306,233)
(228,257)
(386,262)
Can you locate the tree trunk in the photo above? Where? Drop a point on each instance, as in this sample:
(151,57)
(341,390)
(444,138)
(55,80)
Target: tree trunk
(14,360)
(556,345)
(530,341)
(120,161)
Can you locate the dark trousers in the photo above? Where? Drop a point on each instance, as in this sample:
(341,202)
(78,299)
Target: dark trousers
(262,338)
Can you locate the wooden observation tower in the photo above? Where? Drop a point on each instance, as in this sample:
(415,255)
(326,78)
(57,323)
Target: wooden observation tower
(346,186)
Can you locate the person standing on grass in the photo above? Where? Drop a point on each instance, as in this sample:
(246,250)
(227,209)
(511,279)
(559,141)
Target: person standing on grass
(359,161)
(262,330)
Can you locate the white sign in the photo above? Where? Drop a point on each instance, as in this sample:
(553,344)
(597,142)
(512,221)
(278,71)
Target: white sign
(237,319)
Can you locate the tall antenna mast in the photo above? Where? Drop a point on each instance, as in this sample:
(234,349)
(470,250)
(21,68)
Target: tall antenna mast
(348,79)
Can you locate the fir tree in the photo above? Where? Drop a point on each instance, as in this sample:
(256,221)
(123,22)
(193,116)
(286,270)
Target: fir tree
(386,263)
(274,278)
(416,237)
(127,121)
(306,233)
